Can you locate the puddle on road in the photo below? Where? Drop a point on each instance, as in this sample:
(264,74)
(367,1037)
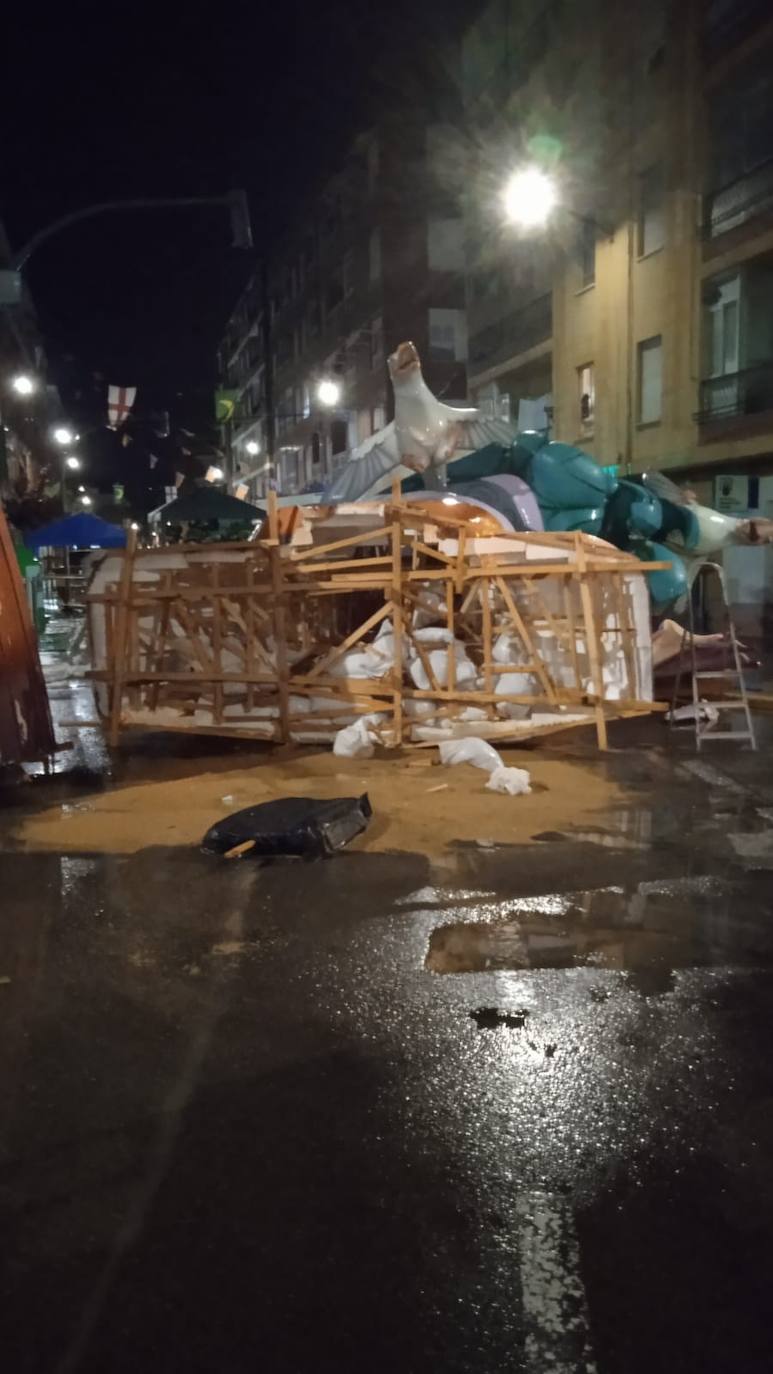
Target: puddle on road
(653,929)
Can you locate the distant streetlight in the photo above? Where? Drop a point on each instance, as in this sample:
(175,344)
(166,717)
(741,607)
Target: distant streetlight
(85,500)
(252,447)
(23,385)
(530,197)
(329,392)
(214,474)
(72,462)
(134,526)
(63,435)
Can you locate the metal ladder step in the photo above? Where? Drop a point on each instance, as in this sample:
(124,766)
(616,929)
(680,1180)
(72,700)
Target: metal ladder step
(704,731)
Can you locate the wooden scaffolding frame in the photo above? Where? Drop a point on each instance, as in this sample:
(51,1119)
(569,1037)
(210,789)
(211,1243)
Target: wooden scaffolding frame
(250,640)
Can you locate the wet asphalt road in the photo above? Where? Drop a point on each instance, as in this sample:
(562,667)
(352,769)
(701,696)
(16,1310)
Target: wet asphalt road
(248,1122)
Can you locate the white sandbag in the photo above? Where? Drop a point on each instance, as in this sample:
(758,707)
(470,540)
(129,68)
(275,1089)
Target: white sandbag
(515,781)
(508,648)
(356,741)
(478,752)
(465,671)
(433,634)
(515,685)
(361,663)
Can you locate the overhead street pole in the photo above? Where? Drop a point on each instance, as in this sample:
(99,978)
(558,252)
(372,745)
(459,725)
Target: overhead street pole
(234,201)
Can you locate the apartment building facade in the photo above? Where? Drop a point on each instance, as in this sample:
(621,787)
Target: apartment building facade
(637,323)
(377,257)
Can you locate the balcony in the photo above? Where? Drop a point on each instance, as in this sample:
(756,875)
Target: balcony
(514,333)
(741,200)
(738,394)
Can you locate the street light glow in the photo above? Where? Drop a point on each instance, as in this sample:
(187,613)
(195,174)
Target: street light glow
(85,500)
(63,435)
(214,474)
(23,385)
(329,392)
(134,526)
(529,198)
(252,447)
(72,462)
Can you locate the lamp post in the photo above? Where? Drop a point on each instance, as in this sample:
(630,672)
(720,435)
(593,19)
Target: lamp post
(23,384)
(530,196)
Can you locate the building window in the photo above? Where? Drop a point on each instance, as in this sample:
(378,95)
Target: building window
(650,371)
(448,335)
(586,254)
(586,382)
(374,256)
(652,219)
(445,245)
(338,436)
(376,343)
(722,301)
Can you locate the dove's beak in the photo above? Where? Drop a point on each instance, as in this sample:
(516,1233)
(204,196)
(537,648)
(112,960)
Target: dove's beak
(404,361)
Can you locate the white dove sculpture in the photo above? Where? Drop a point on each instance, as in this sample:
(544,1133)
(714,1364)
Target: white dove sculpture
(424,433)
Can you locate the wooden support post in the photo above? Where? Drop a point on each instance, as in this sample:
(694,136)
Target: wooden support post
(451,670)
(592,647)
(397,623)
(217,641)
(120,638)
(273,516)
(280,637)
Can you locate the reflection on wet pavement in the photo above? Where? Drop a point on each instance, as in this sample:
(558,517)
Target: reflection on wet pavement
(656,926)
(243,1126)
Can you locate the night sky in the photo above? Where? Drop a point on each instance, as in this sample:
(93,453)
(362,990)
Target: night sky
(102,102)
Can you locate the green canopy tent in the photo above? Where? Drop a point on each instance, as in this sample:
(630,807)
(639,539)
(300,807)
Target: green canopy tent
(206,507)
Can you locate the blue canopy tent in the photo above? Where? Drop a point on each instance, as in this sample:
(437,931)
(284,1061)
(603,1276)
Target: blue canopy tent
(77,532)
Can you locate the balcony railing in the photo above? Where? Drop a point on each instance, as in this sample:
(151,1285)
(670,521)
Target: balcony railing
(739,393)
(740,201)
(514,333)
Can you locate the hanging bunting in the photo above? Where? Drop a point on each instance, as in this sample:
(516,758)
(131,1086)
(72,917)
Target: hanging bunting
(120,400)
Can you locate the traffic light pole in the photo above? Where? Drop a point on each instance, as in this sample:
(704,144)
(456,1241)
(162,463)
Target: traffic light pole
(235,202)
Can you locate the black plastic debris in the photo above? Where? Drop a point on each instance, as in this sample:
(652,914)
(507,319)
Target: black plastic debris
(488,1018)
(297,826)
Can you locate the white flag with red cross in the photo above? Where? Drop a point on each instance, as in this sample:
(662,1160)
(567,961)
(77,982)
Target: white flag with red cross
(120,400)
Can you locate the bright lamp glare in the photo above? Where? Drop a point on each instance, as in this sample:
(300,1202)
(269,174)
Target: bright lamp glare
(328,392)
(85,500)
(252,448)
(63,435)
(73,463)
(529,198)
(23,385)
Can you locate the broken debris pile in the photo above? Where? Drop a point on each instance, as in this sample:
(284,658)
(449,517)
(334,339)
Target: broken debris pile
(396,623)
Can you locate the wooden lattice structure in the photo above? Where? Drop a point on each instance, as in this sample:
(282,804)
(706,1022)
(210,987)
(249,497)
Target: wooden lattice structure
(256,640)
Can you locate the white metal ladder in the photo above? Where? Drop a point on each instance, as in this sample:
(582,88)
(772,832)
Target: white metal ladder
(731,671)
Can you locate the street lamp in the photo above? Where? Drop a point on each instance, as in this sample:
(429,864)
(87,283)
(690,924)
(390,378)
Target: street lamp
(23,384)
(85,500)
(72,462)
(64,436)
(252,447)
(329,392)
(530,197)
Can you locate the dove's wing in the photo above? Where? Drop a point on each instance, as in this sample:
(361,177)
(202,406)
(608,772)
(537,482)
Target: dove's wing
(662,487)
(367,464)
(474,431)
